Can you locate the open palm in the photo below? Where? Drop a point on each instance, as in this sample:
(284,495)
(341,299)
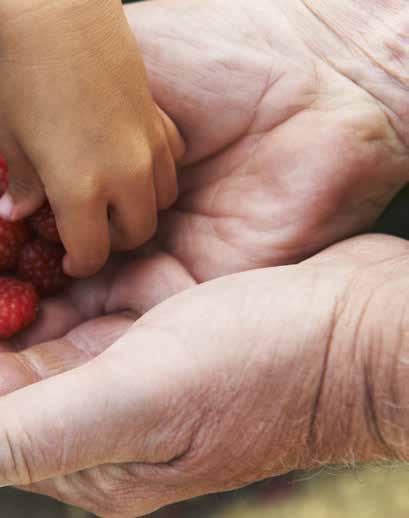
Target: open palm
(285,156)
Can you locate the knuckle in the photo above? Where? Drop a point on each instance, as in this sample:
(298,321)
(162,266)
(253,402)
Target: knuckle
(87,190)
(145,165)
(143,161)
(136,173)
(90,191)
(17,469)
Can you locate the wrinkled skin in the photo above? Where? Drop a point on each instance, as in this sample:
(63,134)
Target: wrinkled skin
(248,376)
(285,156)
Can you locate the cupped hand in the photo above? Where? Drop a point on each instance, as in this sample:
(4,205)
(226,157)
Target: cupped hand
(287,152)
(285,155)
(239,379)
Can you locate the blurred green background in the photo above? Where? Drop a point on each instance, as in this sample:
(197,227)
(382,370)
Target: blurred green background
(361,492)
(373,492)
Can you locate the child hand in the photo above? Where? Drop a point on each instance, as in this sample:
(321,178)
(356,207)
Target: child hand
(79,126)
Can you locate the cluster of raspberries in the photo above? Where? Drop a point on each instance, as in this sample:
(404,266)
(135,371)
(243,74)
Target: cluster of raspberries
(31,256)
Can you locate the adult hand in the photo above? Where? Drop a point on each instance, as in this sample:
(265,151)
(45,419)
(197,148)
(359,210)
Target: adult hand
(239,379)
(295,115)
(227,239)
(287,151)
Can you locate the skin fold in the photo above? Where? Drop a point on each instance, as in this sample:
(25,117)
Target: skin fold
(263,112)
(246,377)
(257,373)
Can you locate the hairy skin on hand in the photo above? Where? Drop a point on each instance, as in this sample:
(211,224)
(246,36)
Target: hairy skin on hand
(255,374)
(367,43)
(298,367)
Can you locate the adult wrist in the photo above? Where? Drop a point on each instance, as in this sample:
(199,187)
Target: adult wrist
(367,42)
(360,414)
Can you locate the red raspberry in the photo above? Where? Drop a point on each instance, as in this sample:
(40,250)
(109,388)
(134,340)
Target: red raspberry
(40,263)
(43,224)
(4,176)
(13,235)
(18,306)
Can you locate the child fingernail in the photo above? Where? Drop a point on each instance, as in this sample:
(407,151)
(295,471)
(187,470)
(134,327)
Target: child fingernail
(6,206)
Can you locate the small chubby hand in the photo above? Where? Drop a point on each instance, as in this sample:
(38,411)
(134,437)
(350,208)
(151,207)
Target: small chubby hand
(79,126)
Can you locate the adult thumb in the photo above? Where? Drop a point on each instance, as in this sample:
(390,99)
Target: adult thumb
(123,406)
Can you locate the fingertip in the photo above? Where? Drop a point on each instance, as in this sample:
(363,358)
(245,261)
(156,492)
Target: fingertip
(71,269)
(66,265)
(83,227)
(83,269)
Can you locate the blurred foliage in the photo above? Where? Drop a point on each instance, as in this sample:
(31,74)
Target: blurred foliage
(371,492)
(374,492)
